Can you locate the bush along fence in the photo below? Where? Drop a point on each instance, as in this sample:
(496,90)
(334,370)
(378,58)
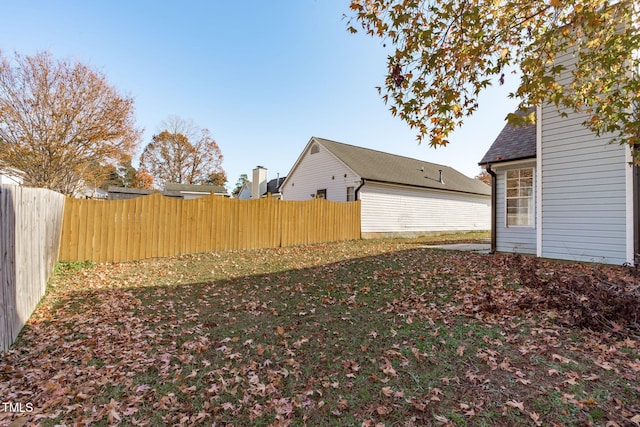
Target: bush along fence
(156,226)
(30,228)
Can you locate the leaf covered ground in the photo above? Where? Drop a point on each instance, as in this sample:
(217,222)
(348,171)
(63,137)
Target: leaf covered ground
(383,332)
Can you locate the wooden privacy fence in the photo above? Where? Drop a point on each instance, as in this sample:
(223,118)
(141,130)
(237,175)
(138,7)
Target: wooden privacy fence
(156,226)
(30,226)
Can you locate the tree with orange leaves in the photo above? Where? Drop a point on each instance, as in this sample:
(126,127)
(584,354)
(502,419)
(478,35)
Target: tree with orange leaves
(444,53)
(183,153)
(61,123)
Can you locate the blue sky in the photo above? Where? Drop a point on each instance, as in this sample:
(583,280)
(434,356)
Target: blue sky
(262,76)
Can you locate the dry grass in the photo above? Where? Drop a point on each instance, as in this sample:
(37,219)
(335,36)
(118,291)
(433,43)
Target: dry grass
(354,333)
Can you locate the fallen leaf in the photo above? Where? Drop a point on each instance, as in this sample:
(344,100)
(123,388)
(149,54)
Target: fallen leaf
(535,417)
(419,406)
(515,404)
(441,419)
(562,359)
(387,391)
(383,410)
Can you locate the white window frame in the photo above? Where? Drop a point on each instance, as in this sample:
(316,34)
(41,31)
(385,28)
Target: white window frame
(518,180)
(351,191)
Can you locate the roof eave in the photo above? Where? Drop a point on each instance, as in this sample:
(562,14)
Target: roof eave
(507,160)
(424,186)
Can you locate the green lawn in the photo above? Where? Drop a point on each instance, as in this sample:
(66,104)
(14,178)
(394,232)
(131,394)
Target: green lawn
(382,332)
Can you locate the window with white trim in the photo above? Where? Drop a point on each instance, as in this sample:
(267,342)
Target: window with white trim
(519,198)
(351,194)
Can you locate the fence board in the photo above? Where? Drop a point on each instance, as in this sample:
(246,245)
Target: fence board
(154,225)
(30,230)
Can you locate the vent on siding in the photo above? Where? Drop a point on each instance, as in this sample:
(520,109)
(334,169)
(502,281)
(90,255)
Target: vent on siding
(315,149)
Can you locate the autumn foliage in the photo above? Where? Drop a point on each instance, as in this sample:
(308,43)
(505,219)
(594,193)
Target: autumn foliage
(485,177)
(587,299)
(183,153)
(61,123)
(444,53)
(142,179)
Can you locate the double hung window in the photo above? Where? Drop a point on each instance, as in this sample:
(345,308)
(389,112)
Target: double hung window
(519,198)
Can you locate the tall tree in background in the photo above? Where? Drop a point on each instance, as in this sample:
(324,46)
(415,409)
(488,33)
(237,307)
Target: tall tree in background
(447,51)
(125,175)
(485,177)
(183,153)
(142,179)
(61,123)
(120,175)
(244,178)
(217,178)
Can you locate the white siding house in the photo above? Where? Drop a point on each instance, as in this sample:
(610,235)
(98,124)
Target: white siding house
(260,186)
(586,203)
(399,196)
(585,193)
(578,204)
(245,191)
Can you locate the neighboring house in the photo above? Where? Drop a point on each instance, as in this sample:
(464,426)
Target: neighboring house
(11,176)
(178,191)
(91,193)
(399,196)
(123,193)
(193,191)
(245,191)
(562,192)
(260,187)
(273,187)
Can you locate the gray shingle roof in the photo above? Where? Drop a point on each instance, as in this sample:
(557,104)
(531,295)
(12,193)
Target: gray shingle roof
(513,143)
(127,190)
(378,166)
(273,186)
(174,188)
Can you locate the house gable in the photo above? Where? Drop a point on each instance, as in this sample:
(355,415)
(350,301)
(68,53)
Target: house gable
(316,169)
(245,191)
